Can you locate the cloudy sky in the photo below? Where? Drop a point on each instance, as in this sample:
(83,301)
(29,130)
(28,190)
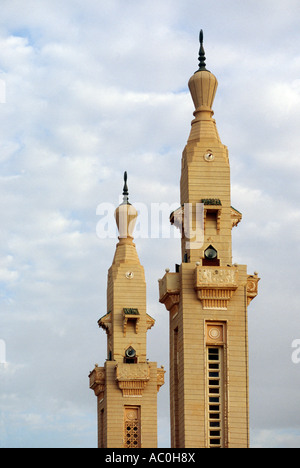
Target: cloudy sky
(88,90)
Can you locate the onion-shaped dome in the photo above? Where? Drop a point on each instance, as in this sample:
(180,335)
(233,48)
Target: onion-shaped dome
(126,215)
(203,84)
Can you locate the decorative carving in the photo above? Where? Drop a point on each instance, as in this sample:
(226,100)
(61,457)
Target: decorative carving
(132,378)
(211,276)
(133,372)
(211,201)
(216,299)
(215,286)
(132,433)
(97,381)
(131,413)
(131,311)
(215,333)
(252,287)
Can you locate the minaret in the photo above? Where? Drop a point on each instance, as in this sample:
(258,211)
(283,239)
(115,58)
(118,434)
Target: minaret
(207,296)
(126,387)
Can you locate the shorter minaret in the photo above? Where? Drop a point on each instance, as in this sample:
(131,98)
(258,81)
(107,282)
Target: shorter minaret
(126,387)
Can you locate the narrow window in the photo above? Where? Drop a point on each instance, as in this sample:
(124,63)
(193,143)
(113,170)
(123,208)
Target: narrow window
(101,428)
(215,396)
(176,387)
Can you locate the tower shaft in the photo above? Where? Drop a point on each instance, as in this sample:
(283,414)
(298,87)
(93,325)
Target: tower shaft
(208,297)
(126,386)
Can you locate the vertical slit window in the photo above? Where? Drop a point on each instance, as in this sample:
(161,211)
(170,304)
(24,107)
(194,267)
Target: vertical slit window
(176,388)
(215,396)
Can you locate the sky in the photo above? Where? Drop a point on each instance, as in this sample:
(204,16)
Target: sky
(91,89)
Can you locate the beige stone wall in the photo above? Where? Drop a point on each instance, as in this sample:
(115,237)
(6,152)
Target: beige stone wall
(188,359)
(113,404)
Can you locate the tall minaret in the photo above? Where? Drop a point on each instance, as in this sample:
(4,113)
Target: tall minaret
(207,296)
(126,387)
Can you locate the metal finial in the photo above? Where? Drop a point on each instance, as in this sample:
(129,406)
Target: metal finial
(125,189)
(202,58)
(201,36)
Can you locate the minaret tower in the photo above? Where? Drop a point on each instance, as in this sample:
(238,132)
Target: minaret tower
(126,387)
(208,295)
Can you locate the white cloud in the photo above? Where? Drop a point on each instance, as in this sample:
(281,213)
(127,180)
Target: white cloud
(6,273)
(274,439)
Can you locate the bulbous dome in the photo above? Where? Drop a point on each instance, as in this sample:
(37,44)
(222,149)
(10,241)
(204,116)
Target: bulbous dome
(126,215)
(203,87)
(203,84)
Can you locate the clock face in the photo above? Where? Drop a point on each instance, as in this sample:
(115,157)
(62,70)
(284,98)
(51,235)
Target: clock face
(129,274)
(209,156)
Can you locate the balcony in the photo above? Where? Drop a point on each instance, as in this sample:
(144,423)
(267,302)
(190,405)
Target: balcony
(215,286)
(252,287)
(97,381)
(132,378)
(169,291)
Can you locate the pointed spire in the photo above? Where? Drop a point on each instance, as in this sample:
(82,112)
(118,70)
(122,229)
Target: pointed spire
(125,189)
(202,58)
